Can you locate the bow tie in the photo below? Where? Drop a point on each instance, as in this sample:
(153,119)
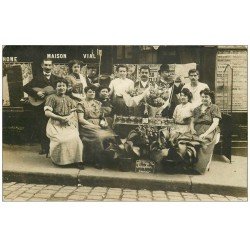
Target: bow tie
(47,75)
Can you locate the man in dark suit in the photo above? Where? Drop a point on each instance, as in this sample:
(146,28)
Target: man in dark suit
(42,80)
(92,76)
(174,88)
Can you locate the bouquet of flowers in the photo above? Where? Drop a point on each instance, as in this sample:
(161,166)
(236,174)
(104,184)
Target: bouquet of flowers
(146,138)
(157,97)
(133,97)
(134,92)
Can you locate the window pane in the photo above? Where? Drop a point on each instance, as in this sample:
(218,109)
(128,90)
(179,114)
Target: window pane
(128,52)
(119,52)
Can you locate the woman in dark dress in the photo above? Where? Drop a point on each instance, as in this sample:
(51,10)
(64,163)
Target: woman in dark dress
(107,107)
(92,133)
(205,124)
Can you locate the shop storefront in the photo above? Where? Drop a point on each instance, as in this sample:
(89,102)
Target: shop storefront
(223,68)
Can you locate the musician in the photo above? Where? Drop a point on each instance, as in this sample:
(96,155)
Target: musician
(167,82)
(42,80)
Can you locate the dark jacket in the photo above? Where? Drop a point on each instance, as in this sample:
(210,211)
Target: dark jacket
(40,81)
(139,85)
(168,112)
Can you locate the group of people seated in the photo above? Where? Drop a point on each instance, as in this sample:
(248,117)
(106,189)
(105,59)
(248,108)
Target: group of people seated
(80,113)
(75,130)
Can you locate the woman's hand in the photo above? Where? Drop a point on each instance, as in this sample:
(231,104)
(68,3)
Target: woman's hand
(65,120)
(203,136)
(193,131)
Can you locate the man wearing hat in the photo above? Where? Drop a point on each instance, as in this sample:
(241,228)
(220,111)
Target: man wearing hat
(166,82)
(91,77)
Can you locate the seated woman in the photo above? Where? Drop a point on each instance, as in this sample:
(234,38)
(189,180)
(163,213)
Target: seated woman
(92,132)
(103,97)
(205,123)
(76,80)
(181,154)
(62,129)
(182,114)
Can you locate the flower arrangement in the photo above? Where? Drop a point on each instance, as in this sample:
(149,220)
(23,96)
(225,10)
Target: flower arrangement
(143,135)
(147,138)
(157,97)
(134,92)
(138,142)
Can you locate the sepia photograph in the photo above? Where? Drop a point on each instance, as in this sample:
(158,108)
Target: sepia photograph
(131,123)
(124,125)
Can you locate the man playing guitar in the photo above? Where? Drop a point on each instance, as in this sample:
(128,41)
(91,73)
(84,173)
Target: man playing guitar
(38,88)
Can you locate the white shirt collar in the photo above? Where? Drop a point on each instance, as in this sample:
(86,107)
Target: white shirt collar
(144,84)
(46,74)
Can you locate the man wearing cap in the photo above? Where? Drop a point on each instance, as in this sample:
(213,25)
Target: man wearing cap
(167,82)
(195,87)
(42,80)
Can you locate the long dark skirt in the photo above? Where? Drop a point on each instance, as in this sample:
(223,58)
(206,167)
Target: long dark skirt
(95,140)
(205,153)
(120,108)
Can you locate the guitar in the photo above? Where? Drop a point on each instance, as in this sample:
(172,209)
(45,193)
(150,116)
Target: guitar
(36,101)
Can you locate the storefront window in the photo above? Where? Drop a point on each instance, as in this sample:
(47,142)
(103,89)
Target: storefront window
(124,52)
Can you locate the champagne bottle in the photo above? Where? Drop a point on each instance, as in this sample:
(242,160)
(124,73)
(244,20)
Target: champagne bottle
(102,121)
(145,119)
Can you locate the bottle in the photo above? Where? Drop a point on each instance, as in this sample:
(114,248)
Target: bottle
(145,116)
(102,121)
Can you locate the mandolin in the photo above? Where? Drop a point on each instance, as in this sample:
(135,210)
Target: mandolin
(36,101)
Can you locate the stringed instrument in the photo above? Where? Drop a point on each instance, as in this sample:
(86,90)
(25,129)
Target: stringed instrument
(36,101)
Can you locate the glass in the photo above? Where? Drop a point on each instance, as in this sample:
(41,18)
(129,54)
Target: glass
(122,120)
(118,119)
(126,119)
(132,119)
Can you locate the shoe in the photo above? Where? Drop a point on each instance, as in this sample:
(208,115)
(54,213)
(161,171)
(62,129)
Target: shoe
(80,165)
(43,152)
(98,166)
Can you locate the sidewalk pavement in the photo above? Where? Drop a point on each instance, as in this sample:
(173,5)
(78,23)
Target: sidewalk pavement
(24,164)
